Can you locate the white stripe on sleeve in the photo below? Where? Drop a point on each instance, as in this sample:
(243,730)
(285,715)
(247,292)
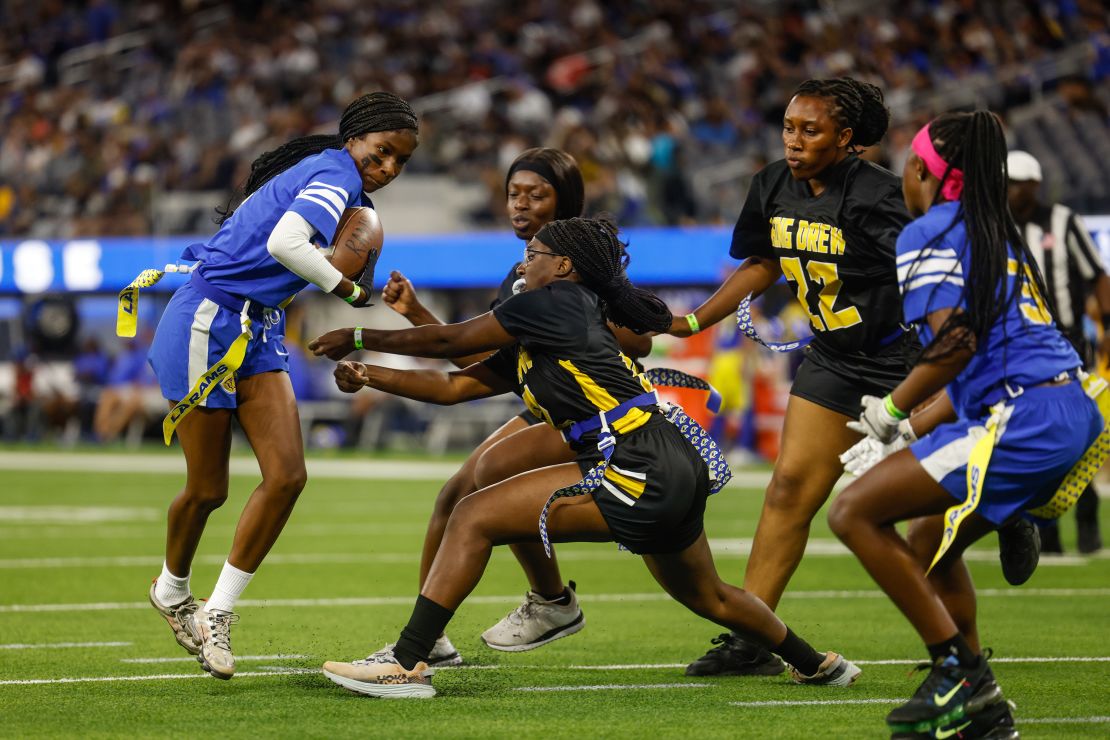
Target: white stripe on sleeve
(322,203)
(329,195)
(342,193)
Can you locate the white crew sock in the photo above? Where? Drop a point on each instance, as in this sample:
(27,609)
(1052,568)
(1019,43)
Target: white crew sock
(171,589)
(229,588)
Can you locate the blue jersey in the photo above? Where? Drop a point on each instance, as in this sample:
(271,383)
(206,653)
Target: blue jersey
(1023,348)
(236,260)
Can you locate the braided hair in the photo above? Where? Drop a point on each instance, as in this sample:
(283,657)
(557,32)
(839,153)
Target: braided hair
(600,259)
(974,143)
(855,105)
(376,111)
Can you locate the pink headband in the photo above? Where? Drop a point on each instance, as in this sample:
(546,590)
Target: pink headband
(923,147)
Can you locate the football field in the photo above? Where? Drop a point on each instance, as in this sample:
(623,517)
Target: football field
(83,654)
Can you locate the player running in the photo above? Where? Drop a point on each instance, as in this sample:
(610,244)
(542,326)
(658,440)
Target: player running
(647,472)
(1010,424)
(261,257)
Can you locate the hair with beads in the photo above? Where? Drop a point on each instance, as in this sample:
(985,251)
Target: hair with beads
(600,259)
(376,111)
(855,105)
(975,143)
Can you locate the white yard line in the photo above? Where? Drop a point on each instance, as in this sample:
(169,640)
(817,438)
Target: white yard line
(614,687)
(42,645)
(515,598)
(813,702)
(887,661)
(85,462)
(1063,721)
(159,677)
(192,659)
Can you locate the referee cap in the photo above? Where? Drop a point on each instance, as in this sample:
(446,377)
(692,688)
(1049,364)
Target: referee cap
(1023,166)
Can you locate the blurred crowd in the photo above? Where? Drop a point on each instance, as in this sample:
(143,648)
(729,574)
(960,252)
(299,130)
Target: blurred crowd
(669,105)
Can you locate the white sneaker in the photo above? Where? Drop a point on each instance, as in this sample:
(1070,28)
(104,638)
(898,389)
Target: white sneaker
(176,616)
(535,622)
(443,653)
(212,632)
(382,676)
(835,670)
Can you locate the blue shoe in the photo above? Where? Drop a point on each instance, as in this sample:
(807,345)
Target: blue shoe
(949,693)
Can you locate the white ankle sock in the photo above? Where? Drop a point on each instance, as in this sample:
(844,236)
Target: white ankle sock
(171,589)
(229,588)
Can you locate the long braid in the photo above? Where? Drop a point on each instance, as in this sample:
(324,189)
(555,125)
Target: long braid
(856,105)
(600,259)
(377,111)
(975,144)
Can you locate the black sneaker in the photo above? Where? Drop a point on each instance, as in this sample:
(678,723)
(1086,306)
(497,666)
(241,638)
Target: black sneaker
(949,693)
(1090,541)
(1050,539)
(735,656)
(1019,550)
(993,722)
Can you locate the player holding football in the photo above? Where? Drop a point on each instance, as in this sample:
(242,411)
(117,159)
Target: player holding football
(262,256)
(1009,425)
(648,470)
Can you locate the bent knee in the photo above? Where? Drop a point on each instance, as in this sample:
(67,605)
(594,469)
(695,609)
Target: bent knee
(794,493)
(841,516)
(206,497)
(458,487)
(287,480)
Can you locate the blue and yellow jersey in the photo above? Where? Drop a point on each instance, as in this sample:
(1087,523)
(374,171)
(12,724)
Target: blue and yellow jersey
(1023,349)
(235,259)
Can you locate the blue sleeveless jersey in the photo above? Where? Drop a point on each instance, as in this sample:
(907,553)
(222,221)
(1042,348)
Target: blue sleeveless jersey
(1023,348)
(235,259)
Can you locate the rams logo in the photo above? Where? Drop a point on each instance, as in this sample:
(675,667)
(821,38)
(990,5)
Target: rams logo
(229,385)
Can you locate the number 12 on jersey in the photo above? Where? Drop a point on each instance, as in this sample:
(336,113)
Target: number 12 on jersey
(820,276)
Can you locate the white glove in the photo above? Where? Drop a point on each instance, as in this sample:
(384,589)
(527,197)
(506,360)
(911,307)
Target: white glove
(868,452)
(875,421)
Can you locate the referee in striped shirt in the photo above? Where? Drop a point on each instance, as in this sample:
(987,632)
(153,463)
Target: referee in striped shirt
(1073,271)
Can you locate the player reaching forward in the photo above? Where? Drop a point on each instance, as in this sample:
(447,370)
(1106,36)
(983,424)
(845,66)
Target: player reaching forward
(262,255)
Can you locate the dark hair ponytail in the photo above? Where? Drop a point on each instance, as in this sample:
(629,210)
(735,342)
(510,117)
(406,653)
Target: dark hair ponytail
(377,111)
(975,143)
(856,105)
(600,259)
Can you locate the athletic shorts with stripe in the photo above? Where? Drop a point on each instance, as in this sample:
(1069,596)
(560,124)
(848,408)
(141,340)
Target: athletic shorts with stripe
(653,495)
(1042,434)
(838,381)
(194,333)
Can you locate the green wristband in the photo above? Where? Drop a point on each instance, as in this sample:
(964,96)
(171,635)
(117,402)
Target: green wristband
(354,296)
(358,337)
(692,321)
(897,413)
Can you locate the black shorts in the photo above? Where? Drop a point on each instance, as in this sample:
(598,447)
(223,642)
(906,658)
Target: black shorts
(838,381)
(529,418)
(667,516)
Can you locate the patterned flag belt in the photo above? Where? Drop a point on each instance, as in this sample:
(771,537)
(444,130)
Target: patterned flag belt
(678,379)
(719,473)
(747,326)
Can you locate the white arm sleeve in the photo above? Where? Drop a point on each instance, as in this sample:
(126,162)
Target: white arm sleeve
(290,243)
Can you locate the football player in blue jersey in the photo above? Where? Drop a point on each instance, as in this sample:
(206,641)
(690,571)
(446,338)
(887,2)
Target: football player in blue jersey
(1011,419)
(218,349)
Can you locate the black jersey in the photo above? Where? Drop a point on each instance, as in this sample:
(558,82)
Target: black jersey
(505,290)
(836,249)
(566,364)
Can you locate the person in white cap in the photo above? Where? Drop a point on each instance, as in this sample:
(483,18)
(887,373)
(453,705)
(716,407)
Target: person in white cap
(1073,271)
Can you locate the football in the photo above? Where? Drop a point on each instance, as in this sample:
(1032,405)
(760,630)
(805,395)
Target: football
(358,240)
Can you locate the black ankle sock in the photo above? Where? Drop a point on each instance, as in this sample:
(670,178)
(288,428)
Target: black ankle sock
(956,646)
(562,598)
(419,636)
(799,653)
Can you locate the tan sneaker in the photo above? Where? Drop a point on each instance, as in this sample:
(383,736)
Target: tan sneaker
(381,675)
(835,670)
(536,622)
(212,632)
(176,616)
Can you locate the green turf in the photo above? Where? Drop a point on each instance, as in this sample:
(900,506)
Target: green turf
(361,539)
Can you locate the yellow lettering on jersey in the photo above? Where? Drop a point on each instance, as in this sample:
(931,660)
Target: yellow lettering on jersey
(792,269)
(826,274)
(523,365)
(836,240)
(780,232)
(804,239)
(1032,304)
(823,239)
(604,401)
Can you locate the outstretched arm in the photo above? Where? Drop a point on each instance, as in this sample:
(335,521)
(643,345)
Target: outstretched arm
(753,276)
(432,386)
(483,334)
(632,344)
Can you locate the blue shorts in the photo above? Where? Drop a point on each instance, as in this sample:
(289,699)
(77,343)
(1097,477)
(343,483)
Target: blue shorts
(1043,433)
(194,332)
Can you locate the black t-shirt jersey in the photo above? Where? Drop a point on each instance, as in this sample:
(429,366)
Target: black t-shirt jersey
(566,364)
(836,249)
